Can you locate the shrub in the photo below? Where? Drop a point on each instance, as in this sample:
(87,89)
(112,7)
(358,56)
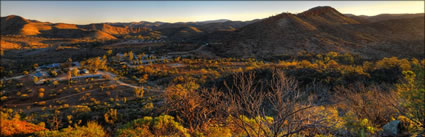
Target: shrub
(92,129)
(219,131)
(371,103)
(148,106)
(13,126)
(332,54)
(257,126)
(18,127)
(163,125)
(55,83)
(189,105)
(3,98)
(359,127)
(139,92)
(111,116)
(286,105)
(412,93)
(41,94)
(78,109)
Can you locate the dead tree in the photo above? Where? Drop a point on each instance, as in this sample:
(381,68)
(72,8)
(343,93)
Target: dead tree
(195,108)
(282,101)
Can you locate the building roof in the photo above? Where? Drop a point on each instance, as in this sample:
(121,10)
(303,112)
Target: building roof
(76,63)
(54,65)
(41,74)
(87,76)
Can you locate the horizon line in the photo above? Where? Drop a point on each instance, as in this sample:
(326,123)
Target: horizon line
(193,21)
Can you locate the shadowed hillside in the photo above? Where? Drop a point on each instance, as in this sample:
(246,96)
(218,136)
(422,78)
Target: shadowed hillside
(323,29)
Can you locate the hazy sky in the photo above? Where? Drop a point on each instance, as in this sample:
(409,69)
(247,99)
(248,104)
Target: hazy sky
(84,12)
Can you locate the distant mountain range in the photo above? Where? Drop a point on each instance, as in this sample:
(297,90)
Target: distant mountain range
(319,30)
(382,17)
(324,29)
(16,25)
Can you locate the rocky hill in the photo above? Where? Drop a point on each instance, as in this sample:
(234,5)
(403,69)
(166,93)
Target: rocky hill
(16,25)
(320,30)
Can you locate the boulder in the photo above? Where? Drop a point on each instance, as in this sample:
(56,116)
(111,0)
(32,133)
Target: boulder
(392,128)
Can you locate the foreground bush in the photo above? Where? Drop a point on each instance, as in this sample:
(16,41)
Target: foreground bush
(412,93)
(13,126)
(91,130)
(163,126)
(18,127)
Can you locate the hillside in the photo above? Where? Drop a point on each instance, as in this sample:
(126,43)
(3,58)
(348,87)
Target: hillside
(16,25)
(12,24)
(191,30)
(320,30)
(382,17)
(317,30)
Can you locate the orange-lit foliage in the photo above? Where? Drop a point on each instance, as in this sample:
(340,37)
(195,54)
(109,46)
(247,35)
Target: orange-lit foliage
(9,45)
(94,64)
(200,112)
(163,126)
(18,127)
(387,63)
(92,129)
(13,126)
(332,64)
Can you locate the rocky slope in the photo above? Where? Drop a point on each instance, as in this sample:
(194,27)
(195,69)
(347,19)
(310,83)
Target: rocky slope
(320,30)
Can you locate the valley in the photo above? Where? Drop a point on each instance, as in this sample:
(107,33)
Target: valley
(314,73)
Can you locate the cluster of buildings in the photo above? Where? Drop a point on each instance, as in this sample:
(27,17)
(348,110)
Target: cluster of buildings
(43,75)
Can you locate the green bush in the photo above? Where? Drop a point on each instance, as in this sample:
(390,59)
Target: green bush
(163,126)
(91,130)
(412,93)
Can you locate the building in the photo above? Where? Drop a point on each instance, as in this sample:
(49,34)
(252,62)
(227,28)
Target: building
(41,74)
(84,71)
(76,64)
(54,65)
(86,76)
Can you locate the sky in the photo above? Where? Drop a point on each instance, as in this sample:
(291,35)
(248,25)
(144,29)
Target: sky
(85,12)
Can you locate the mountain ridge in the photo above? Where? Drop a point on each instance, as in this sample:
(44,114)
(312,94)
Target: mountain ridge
(320,30)
(17,25)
